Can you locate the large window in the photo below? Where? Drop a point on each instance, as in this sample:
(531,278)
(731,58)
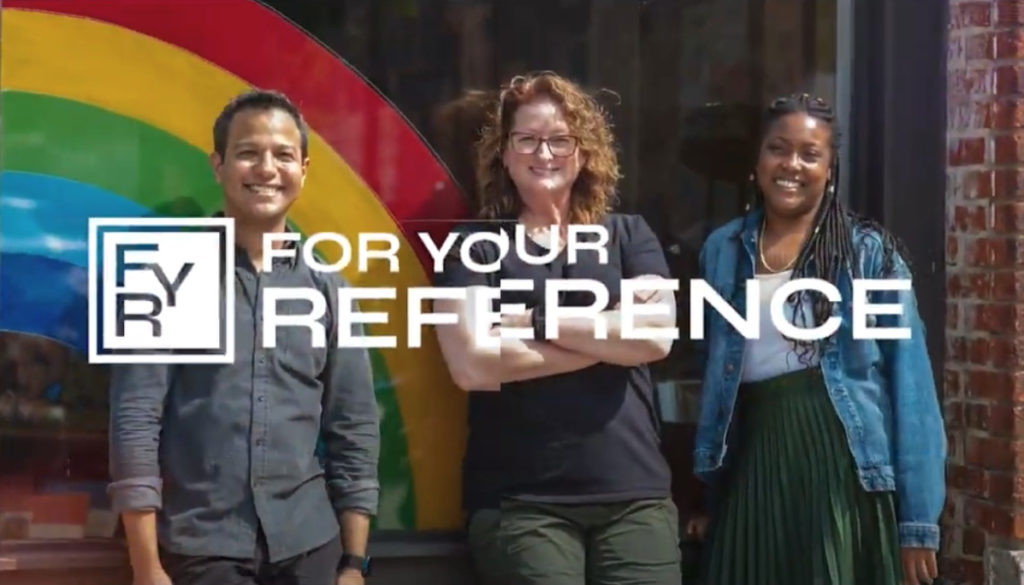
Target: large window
(690,75)
(53,442)
(691,78)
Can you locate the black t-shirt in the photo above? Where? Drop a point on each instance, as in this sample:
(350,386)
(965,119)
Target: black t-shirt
(586,436)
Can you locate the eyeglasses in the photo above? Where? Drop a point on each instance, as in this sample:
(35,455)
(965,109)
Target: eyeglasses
(560,146)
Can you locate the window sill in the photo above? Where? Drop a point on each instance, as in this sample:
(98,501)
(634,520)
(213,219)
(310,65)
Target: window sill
(37,555)
(93,554)
(48,555)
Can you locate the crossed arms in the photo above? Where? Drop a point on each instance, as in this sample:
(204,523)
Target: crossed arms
(479,366)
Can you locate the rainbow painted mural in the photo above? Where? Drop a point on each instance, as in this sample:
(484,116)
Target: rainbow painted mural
(107,110)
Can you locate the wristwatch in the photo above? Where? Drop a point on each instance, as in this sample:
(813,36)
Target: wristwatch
(355,562)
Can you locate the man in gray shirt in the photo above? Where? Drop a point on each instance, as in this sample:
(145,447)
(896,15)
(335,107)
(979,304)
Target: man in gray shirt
(214,467)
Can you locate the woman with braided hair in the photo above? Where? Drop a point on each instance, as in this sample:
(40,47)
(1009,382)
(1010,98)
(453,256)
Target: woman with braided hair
(825,459)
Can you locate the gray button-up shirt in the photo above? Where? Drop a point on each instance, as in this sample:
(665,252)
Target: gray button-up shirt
(224,450)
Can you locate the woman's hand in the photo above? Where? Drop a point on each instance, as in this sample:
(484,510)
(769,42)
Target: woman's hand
(697,527)
(515,320)
(919,565)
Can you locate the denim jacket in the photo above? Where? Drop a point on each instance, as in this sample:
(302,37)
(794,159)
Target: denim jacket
(883,390)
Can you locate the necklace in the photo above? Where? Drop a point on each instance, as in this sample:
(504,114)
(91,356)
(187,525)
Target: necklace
(764,261)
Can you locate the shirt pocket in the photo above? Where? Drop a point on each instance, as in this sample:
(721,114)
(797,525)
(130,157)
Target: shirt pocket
(296,351)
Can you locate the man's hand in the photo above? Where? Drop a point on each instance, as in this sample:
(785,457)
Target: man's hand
(155,576)
(919,565)
(351,577)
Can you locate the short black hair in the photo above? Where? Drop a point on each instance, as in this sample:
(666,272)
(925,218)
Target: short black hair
(256,99)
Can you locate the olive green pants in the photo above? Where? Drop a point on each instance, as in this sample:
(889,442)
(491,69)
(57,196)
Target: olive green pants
(489,560)
(629,543)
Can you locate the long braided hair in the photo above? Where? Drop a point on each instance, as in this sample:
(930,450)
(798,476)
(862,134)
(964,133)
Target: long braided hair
(830,248)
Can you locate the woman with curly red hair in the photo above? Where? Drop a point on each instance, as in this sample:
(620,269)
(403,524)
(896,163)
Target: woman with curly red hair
(564,429)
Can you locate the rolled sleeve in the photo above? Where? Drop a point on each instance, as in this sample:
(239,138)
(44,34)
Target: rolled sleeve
(455,273)
(137,394)
(918,535)
(642,252)
(350,428)
(136,493)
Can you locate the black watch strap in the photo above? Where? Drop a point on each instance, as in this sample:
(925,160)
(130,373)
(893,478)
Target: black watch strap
(538,319)
(363,564)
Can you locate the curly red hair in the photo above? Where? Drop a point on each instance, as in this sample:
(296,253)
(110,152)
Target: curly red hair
(593,193)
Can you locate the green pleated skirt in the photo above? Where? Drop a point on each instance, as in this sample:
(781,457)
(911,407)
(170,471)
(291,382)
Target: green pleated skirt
(790,508)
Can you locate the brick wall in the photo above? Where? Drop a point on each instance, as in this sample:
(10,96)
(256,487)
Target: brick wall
(984,377)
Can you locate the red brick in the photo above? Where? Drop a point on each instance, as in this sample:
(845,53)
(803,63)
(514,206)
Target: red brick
(1006,115)
(1003,252)
(963,571)
(971,15)
(968,115)
(1002,353)
(979,81)
(1005,489)
(979,287)
(1007,149)
(985,252)
(982,253)
(1009,44)
(954,283)
(980,46)
(976,255)
(1002,386)
(995,520)
(949,546)
(965,479)
(969,218)
(1006,252)
(996,318)
(1008,13)
(998,352)
(956,349)
(972,184)
(951,510)
(952,387)
(952,410)
(1008,217)
(1005,80)
(1002,420)
(967,151)
(978,352)
(1007,286)
(1008,184)
(952,317)
(989,318)
(976,418)
(955,442)
(973,542)
(996,454)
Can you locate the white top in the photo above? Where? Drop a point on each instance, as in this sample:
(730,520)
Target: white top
(772,354)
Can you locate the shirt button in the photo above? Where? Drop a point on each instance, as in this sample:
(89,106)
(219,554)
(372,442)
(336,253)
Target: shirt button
(259,399)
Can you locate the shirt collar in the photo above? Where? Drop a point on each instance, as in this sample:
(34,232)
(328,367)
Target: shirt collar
(241,256)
